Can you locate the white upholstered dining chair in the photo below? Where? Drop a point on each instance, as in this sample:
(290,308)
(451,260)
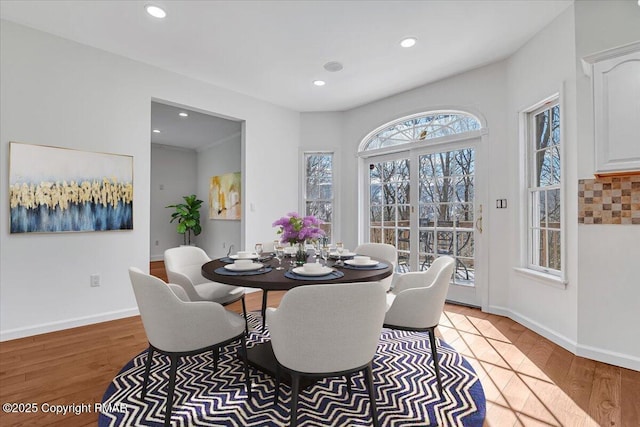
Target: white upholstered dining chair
(184,267)
(327,331)
(382,251)
(177,327)
(417,300)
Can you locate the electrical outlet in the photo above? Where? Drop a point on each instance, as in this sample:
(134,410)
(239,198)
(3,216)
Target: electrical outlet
(94,280)
(157,242)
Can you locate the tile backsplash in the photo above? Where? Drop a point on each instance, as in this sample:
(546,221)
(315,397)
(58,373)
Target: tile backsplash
(609,200)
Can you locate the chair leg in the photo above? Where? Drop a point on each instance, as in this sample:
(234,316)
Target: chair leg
(295,390)
(348,378)
(368,380)
(170,389)
(263,311)
(276,394)
(246,319)
(434,355)
(216,355)
(247,379)
(147,371)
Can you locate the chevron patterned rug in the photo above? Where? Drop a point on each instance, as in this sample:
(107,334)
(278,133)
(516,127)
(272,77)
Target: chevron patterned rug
(404,378)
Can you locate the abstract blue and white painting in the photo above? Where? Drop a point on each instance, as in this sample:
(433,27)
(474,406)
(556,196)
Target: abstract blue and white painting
(55,189)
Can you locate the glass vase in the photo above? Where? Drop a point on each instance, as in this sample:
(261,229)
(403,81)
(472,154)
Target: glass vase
(301,255)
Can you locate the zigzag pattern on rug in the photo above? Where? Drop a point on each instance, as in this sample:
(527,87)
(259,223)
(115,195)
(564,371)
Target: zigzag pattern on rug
(403,373)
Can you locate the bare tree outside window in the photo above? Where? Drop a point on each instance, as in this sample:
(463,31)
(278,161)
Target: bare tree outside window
(319,189)
(446,203)
(544,190)
(390,203)
(445,182)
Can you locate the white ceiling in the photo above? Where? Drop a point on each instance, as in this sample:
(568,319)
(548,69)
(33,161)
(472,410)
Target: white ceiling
(196,131)
(273,50)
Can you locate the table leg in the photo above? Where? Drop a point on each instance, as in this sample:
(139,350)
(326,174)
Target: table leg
(261,357)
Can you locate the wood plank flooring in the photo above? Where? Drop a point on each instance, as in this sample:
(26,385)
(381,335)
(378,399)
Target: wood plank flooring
(527,379)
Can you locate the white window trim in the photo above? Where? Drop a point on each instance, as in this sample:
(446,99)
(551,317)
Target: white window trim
(336,180)
(541,276)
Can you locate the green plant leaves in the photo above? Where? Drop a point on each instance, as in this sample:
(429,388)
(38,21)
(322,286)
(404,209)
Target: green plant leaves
(188,216)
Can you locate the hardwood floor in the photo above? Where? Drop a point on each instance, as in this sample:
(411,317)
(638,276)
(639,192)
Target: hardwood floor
(528,380)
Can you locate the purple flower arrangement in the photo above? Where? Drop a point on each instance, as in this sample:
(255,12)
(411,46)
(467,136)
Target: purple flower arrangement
(296,229)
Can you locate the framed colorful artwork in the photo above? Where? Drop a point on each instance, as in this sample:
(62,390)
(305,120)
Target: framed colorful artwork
(225,200)
(55,189)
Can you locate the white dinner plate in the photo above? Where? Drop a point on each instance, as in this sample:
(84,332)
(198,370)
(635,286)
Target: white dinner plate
(344,254)
(252,256)
(369,263)
(322,272)
(248,267)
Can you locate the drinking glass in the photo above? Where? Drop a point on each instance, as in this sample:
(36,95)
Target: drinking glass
(324,253)
(279,250)
(316,253)
(340,250)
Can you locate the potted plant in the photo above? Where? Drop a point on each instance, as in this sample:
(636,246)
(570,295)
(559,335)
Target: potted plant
(188,216)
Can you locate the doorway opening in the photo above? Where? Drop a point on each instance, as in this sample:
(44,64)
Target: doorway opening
(188,148)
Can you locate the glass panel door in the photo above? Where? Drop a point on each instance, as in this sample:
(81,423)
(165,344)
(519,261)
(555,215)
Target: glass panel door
(446,182)
(389,206)
(428,211)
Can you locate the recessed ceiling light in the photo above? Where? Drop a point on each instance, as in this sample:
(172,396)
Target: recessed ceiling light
(408,42)
(155,11)
(319,82)
(156,131)
(183,114)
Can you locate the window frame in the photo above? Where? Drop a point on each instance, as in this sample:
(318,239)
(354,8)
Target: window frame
(303,208)
(529,150)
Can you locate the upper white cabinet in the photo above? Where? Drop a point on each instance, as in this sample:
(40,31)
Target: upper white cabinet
(615,75)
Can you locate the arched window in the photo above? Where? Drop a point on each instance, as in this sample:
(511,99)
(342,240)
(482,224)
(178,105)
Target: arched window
(421,127)
(419,176)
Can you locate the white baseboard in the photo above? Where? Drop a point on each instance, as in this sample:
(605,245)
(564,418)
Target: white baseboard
(610,357)
(44,328)
(156,257)
(594,353)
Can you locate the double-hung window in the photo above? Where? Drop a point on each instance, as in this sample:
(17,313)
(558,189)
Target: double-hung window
(319,194)
(545,204)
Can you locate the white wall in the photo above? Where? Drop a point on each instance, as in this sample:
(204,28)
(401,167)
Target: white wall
(219,159)
(608,255)
(544,66)
(325,132)
(61,93)
(173,175)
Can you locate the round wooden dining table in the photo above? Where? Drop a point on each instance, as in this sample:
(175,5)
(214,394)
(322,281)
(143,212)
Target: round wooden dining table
(261,356)
(275,280)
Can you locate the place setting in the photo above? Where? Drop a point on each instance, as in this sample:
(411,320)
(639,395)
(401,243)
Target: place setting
(240,255)
(313,271)
(243,267)
(360,262)
(341,254)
